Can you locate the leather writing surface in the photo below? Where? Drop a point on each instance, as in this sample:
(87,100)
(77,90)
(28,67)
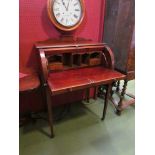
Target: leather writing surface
(70,80)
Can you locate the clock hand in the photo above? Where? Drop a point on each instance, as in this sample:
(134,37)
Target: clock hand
(64,4)
(68,5)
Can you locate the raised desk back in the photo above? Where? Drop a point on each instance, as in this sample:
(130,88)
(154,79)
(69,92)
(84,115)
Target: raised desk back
(65,54)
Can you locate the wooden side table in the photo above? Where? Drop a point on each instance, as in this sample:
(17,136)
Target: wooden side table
(27,84)
(121,105)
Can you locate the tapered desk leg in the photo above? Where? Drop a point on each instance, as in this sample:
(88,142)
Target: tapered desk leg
(49,106)
(106,101)
(87,94)
(95,92)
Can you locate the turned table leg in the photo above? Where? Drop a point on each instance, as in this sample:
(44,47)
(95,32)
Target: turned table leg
(112,91)
(118,86)
(118,111)
(106,101)
(49,106)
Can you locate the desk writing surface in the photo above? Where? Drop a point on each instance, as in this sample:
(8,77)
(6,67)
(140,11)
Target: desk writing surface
(74,79)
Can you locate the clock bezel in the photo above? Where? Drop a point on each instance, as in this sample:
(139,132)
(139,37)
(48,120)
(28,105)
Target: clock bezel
(60,26)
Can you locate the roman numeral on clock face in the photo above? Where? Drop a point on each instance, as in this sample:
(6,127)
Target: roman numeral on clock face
(58,14)
(75,16)
(57,2)
(77,10)
(57,9)
(75,4)
(62,19)
(66,21)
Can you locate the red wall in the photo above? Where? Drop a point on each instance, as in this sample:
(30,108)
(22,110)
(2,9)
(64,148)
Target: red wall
(35,26)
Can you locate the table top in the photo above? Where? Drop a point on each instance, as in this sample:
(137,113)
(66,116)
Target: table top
(70,80)
(28,82)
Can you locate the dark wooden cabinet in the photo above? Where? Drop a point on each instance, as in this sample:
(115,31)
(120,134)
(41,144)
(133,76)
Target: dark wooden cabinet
(119,34)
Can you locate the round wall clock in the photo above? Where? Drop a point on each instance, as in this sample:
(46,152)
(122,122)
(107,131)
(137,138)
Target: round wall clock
(66,15)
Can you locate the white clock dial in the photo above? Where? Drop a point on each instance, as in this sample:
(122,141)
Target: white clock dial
(67,12)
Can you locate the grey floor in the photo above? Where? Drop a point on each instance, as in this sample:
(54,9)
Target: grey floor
(83,133)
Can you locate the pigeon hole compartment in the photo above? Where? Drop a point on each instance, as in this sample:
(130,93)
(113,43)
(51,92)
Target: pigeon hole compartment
(55,62)
(67,60)
(95,59)
(85,59)
(76,60)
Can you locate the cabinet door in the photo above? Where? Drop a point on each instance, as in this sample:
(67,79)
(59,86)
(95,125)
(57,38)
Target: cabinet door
(118,30)
(131,56)
(111,14)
